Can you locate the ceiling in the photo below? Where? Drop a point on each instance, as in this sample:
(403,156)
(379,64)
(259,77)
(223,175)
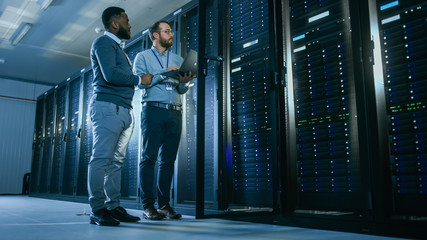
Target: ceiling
(58,44)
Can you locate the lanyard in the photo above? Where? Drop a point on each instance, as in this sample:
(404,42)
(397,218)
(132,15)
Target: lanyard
(158,60)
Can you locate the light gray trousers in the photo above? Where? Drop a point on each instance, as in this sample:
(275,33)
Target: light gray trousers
(112,130)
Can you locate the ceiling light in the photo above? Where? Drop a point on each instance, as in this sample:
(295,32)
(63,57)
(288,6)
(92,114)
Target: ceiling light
(2,61)
(20,33)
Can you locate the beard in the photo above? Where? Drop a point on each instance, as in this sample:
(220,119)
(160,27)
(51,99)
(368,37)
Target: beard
(123,33)
(165,42)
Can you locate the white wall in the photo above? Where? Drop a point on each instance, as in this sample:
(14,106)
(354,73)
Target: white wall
(17,117)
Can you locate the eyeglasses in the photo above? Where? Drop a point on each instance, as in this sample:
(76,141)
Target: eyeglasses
(170,32)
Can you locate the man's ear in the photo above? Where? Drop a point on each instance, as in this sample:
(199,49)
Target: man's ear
(154,35)
(114,24)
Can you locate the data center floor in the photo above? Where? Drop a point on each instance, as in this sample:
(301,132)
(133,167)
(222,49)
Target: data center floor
(23,217)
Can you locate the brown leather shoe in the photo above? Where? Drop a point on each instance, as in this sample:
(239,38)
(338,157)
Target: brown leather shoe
(168,212)
(152,214)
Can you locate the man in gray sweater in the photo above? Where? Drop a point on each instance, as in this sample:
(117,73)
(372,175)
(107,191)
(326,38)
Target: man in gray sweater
(112,118)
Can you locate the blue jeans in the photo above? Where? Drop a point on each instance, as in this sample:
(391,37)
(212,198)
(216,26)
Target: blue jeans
(161,132)
(112,130)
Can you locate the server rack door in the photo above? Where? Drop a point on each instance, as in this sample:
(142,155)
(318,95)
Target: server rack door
(72,146)
(184,23)
(185,29)
(247,160)
(37,146)
(86,134)
(328,164)
(252,105)
(46,162)
(402,27)
(59,140)
(187,37)
(211,130)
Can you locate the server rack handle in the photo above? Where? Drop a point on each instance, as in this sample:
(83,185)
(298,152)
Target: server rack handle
(205,62)
(283,73)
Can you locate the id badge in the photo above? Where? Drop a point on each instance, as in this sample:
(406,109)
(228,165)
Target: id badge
(169,87)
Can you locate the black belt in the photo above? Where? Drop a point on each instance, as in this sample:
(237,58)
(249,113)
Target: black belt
(163,105)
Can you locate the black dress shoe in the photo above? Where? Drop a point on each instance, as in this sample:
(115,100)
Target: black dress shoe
(168,212)
(152,214)
(103,218)
(120,214)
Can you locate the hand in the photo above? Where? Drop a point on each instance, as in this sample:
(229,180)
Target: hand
(146,79)
(186,77)
(171,68)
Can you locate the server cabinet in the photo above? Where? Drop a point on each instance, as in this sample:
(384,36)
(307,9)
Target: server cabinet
(212,110)
(185,28)
(37,145)
(402,27)
(252,108)
(46,160)
(72,146)
(329,166)
(185,25)
(85,133)
(59,139)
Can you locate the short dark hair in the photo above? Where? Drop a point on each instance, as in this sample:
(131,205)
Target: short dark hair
(155,28)
(109,14)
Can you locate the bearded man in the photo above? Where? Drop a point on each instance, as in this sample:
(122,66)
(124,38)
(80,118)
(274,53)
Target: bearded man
(161,120)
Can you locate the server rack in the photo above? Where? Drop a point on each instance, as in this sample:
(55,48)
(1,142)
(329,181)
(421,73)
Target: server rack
(329,166)
(46,160)
(403,45)
(212,113)
(85,133)
(71,157)
(252,108)
(186,37)
(37,145)
(185,24)
(59,139)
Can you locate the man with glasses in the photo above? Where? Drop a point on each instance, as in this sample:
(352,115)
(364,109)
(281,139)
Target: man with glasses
(161,120)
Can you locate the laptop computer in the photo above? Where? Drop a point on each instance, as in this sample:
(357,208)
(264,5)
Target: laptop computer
(189,65)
